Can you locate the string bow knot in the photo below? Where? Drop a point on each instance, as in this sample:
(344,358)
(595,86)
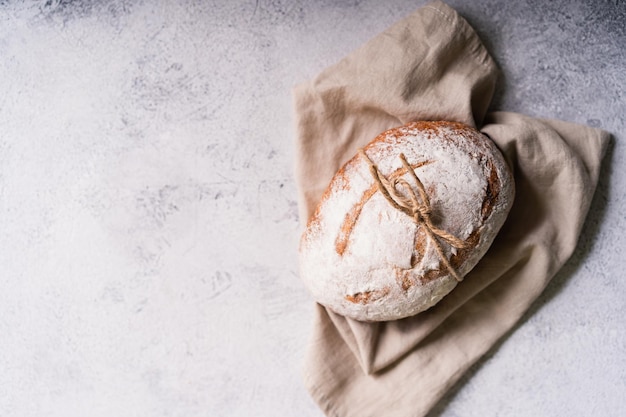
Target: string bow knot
(402,196)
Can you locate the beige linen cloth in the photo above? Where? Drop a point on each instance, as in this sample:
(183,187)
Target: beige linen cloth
(432,66)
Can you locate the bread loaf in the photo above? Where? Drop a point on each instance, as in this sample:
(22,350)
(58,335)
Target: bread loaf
(376,249)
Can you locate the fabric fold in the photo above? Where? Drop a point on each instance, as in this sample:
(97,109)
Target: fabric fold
(432,66)
(429,66)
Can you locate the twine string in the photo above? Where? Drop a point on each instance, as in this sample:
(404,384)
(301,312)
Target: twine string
(402,196)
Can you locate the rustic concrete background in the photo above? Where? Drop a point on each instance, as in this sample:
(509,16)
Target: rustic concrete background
(148,223)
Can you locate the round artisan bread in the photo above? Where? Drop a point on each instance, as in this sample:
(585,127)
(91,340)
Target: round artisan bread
(380,246)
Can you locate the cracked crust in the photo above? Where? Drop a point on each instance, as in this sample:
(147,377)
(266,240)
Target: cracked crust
(366,260)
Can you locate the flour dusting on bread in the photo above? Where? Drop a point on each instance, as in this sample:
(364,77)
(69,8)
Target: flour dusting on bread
(365,259)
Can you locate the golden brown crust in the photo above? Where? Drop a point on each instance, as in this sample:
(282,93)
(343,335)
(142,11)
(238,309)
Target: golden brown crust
(492,191)
(366,297)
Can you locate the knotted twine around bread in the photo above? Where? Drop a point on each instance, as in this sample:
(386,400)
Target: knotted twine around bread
(420,212)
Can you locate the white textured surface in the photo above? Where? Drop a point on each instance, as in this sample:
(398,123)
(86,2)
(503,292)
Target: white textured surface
(148,224)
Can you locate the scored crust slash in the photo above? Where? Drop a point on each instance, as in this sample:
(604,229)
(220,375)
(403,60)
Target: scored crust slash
(351,217)
(404,220)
